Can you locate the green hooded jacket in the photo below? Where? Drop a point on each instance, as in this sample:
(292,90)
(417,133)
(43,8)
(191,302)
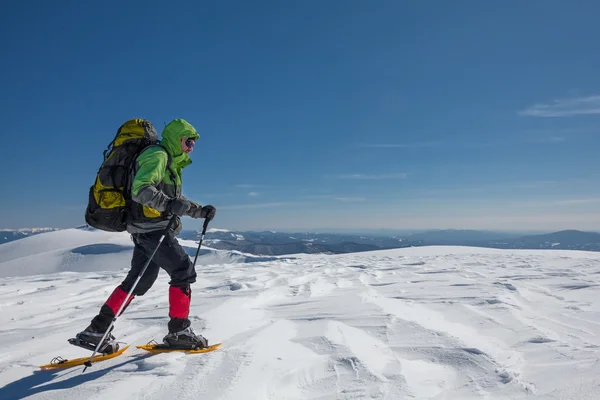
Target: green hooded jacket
(154,183)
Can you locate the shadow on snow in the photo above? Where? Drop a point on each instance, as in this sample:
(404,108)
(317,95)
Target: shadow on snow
(41,381)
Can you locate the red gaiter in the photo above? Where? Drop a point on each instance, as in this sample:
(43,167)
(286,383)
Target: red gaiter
(117,298)
(179,301)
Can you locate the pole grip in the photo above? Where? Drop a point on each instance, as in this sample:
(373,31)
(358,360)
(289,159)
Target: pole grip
(206,222)
(170,225)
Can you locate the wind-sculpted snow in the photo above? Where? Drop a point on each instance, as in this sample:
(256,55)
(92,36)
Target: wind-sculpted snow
(415,323)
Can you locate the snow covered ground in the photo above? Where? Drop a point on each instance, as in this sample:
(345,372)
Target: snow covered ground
(416,323)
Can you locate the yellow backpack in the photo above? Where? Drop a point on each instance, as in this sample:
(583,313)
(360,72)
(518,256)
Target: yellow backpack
(109,196)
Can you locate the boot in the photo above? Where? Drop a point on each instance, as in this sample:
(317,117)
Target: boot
(89,339)
(181,336)
(185,340)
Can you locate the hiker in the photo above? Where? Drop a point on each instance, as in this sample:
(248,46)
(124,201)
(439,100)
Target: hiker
(156,196)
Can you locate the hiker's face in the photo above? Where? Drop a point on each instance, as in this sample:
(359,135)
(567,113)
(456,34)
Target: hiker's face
(187,145)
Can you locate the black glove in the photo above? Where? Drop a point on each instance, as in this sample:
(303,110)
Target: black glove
(208,212)
(195,211)
(178,207)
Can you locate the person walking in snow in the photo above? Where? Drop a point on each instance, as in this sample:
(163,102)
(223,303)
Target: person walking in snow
(156,192)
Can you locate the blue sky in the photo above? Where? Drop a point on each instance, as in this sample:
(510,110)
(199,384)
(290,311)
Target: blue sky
(314,114)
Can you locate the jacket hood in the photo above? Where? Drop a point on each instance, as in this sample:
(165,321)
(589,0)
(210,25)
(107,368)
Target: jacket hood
(171,140)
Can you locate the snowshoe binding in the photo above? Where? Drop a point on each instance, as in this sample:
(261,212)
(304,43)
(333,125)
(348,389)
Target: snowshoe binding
(184,340)
(89,339)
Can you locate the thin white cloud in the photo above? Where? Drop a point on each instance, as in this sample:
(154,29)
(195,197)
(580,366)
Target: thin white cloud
(200,196)
(579,201)
(318,196)
(556,135)
(564,107)
(349,199)
(399,175)
(549,139)
(401,145)
(252,194)
(558,203)
(263,205)
(344,199)
(499,187)
(245,186)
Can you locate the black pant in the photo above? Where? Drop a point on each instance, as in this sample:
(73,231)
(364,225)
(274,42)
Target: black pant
(170,256)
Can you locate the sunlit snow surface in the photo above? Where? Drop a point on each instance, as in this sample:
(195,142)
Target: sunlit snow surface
(414,323)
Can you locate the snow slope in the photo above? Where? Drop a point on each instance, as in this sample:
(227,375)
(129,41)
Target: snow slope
(415,323)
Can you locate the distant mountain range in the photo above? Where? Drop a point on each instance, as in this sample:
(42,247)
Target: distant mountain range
(568,239)
(280,243)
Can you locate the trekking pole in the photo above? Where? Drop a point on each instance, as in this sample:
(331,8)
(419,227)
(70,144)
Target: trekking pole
(206,221)
(88,363)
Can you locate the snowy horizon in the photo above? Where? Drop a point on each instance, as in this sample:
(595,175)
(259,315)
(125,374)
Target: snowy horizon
(327,230)
(438,323)
(521,219)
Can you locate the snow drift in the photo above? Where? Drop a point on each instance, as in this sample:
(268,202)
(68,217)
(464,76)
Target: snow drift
(418,323)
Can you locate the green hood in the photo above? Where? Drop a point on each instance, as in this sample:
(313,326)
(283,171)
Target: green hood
(171,140)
